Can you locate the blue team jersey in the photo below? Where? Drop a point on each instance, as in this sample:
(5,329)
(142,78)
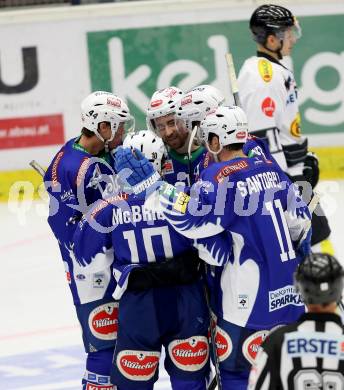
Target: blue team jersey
(263,214)
(120,232)
(254,146)
(75,180)
(177,167)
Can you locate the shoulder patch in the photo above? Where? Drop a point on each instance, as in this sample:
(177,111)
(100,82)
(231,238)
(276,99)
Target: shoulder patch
(227,170)
(265,70)
(295,127)
(56,163)
(82,171)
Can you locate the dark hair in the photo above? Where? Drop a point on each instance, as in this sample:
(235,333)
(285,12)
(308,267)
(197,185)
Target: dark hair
(87,133)
(231,147)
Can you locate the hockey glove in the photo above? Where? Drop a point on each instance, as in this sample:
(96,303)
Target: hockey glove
(132,166)
(304,247)
(311,169)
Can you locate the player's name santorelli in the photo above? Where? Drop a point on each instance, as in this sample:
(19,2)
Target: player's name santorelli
(259,182)
(135,214)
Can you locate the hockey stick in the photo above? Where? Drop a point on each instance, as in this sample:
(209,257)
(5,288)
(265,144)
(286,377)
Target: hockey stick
(192,137)
(217,378)
(233,79)
(37,167)
(341,305)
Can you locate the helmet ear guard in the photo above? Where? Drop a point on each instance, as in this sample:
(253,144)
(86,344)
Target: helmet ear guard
(228,123)
(319,278)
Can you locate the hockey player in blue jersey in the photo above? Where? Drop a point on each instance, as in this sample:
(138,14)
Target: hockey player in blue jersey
(257,205)
(175,132)
(75,179)
(158,283)
(191,110)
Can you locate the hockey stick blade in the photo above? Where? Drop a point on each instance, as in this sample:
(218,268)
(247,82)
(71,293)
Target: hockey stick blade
(37,167)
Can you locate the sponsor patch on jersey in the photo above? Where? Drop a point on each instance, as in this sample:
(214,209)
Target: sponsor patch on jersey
(91,386)
(243,301)
(268,107)
(168,167)
(105,202)
(56,163)
(82,171)
(318,344)
(189,354)
(283,297)
(224,344)
(229,169)
(207,160)
(80,277)
(103,321)
(138,365)
(252,345)
(182,202)
(265,70)
(295,127)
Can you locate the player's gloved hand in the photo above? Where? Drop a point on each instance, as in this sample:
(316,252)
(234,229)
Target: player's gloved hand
(304,247)
(132,166)
(311,169)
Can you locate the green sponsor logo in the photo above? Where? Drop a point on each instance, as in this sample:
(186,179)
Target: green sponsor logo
(136,62)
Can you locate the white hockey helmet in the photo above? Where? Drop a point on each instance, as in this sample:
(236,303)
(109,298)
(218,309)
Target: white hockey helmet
(150,145)
(162,103)
(229,123)
(101,106)
(197,103)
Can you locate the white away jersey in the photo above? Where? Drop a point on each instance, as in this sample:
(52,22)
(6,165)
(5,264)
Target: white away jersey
(268,94)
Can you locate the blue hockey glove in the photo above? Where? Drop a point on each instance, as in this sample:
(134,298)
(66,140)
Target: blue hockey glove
(132,166)
(304,248)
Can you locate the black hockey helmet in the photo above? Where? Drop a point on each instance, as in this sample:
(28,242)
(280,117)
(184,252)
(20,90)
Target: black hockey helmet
(320,279)
(270,19)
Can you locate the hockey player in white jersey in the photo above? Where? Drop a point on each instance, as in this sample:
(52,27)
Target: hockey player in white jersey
(269,95)
(309,353)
